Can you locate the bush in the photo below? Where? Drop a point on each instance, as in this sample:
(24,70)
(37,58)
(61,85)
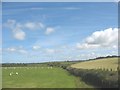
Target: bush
(99,78)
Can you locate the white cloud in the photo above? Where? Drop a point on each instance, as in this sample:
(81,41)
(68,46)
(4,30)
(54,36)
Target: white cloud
(92,53)
(12,49)
(15,50)
(22,51)
(36,47)
(10,23)
(86,46)
(105,38)
(49,30)
(50,50)
(19,34)
(18,28)
(30,25)
(115,46)
(34,25)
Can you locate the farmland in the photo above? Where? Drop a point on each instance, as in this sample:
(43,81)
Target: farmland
(40,77)
(77,74)
(106,63)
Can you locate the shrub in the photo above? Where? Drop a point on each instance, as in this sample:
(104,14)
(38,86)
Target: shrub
(99,78)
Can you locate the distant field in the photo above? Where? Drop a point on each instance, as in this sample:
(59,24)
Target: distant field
(107,63)
(40,77)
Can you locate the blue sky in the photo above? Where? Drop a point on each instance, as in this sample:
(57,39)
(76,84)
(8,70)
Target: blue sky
(61,0)
(41,32)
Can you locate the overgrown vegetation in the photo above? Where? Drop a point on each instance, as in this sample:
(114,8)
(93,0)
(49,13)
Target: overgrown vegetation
(99,78)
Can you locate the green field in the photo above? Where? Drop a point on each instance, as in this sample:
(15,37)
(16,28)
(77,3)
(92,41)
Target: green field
(40,77)
(44,76)
(106,63)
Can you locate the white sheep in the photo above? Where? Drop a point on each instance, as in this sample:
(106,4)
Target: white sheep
(16,73)
(10,74)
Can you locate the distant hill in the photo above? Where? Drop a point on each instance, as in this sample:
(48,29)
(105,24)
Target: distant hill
(99,63)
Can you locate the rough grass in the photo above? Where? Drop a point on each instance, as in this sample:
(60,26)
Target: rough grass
(107,63)
(38,77)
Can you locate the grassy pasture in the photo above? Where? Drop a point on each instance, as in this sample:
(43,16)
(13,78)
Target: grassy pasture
(40,77)
(106,63)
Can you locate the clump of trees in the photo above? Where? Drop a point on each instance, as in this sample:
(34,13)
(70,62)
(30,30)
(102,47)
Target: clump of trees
(63,65)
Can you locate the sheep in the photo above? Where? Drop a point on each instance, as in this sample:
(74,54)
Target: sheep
(10,74)
(16,73)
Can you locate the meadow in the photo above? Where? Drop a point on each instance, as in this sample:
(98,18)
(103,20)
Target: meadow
(106,63)
(78,74)
(40,77)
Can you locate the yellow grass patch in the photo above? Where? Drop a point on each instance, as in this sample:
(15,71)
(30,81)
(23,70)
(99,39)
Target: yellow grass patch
(107,63)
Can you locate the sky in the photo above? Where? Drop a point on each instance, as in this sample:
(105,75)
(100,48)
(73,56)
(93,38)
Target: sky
(52,31)
(60,0)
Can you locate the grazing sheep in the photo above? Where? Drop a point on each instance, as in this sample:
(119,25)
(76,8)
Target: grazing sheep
(16,73)
(10,74)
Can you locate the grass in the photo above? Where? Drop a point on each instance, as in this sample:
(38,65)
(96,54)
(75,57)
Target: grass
(107,63)
(37,77)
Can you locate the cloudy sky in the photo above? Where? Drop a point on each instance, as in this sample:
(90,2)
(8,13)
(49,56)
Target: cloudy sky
(41,32)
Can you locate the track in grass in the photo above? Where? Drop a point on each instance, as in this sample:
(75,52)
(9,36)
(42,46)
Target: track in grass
(107,63)
(39,77)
